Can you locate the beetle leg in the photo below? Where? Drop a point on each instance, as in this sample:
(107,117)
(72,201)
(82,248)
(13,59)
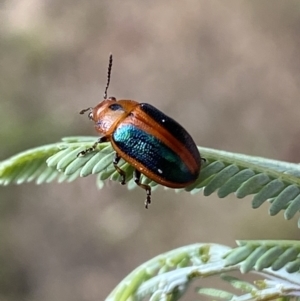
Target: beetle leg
(122,173)
(137,180)
(93,147)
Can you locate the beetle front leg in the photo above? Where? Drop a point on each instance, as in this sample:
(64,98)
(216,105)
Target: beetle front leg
(137,180)
(122,173)
(93,147)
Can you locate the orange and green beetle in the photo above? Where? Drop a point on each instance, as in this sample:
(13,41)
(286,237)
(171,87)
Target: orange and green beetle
(152,142)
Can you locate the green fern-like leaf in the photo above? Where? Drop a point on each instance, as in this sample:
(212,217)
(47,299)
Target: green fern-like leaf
(223,172)
(260,255)
(264,290)
(170,273)
(167,276)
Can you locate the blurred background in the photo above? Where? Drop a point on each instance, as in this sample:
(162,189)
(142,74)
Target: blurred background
(227,70)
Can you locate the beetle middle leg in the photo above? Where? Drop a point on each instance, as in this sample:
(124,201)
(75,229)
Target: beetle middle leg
(121,172)
(137,180)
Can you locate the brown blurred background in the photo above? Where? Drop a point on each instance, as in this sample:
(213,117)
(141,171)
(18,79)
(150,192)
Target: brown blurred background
(227,70)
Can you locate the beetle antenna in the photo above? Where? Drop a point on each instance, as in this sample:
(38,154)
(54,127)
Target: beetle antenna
(85,110)
(108,75)
(107,84)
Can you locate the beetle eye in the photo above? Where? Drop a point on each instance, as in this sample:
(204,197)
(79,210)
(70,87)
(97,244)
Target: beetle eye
(116,107)
(90,115)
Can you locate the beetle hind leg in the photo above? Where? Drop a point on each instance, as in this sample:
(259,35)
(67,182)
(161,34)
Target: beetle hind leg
(147,188)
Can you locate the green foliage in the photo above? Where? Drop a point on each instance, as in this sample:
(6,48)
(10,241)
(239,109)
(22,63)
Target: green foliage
(224,172)
(167,276)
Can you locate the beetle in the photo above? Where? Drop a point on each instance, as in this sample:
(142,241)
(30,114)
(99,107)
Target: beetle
(153,143)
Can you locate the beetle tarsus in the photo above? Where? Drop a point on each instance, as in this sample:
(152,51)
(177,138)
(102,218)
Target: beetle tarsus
(148,199)
(86,151)
(137,180)
(92,148)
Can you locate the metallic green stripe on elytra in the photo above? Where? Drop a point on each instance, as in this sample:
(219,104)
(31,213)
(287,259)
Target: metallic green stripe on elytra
(152,154)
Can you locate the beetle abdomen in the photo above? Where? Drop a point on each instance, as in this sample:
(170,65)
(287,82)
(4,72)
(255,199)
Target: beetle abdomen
(151,156)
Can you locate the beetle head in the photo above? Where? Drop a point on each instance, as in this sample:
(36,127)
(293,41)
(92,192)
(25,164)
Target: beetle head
(106,115)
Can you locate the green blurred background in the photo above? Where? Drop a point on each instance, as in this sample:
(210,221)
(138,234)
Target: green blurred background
(227,70)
